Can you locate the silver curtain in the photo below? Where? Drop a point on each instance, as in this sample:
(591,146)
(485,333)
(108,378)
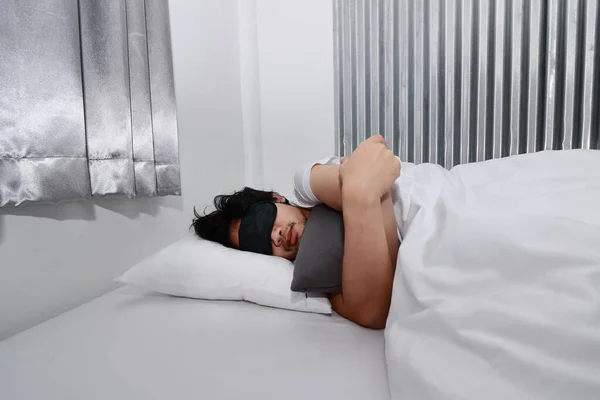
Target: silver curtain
(457,81)
(87,104)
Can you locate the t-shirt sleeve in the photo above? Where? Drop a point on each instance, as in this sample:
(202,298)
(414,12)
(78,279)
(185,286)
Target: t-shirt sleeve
(303,195)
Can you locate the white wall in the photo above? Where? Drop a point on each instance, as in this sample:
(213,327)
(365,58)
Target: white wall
(295,71)
(55,257)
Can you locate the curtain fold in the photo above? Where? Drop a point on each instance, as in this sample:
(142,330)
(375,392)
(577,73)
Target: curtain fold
(87,106)
(42,128)
(162,93)
(106,96)
(141,111)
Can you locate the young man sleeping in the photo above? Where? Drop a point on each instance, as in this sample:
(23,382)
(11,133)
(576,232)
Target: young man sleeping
(267,223)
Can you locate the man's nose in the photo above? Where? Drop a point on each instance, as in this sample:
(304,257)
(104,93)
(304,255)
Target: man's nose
(277,236)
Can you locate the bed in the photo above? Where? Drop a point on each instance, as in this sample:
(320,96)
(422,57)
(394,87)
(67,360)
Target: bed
(496,296)
(131,344)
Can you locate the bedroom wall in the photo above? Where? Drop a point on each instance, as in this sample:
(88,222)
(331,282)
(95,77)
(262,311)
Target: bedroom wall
(295,47)
(55,257)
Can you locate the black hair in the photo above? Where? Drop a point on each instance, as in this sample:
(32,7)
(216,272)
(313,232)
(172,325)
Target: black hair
(228,208)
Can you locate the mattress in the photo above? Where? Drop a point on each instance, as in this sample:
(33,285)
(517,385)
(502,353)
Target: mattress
(131,344)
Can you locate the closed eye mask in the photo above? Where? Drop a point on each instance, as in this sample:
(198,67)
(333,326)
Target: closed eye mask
(256,227)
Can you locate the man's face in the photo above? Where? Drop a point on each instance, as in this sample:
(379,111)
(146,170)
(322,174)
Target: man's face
(286,233)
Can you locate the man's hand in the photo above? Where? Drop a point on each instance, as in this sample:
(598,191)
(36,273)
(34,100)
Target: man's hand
(371,169)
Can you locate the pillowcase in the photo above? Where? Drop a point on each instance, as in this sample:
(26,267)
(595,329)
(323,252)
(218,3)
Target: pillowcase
(197,268)
(318,264)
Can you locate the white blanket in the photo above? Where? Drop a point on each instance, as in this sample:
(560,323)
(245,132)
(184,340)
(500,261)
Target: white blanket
(497,287)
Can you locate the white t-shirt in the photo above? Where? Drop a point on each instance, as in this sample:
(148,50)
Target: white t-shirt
(304,197)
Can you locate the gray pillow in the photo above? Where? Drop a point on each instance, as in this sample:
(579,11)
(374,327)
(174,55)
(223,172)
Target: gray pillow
(318,264)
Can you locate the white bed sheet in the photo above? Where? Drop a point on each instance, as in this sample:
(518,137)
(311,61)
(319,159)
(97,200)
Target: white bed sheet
(497,287)
(133,345)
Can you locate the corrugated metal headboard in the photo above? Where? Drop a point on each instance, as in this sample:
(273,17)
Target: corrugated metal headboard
(456,81)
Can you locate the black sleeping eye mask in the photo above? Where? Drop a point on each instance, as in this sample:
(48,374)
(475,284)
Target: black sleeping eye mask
(256,227)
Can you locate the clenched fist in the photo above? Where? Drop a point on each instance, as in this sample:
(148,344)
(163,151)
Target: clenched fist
(371,169)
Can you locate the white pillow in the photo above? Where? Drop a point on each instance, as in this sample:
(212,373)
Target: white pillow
(201,269)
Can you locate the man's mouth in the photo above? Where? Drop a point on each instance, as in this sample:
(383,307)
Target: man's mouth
(291,237)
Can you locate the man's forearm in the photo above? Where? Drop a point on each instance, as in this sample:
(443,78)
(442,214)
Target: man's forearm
(367,272)
(391,232)
(325,184)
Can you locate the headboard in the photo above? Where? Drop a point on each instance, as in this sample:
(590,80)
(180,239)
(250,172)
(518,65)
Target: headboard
(452,82)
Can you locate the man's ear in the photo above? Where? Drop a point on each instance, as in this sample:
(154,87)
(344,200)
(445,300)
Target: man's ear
(280,199)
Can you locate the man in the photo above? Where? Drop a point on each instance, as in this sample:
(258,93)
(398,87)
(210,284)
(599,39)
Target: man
(265,222)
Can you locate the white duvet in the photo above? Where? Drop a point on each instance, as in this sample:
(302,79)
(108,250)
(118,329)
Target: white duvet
(497,287)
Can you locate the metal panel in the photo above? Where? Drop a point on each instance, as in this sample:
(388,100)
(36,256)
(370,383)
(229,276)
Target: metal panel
(482,79)
(450,68)
(338,71)
(570,74)
(551,74)
(418,77)
(402,75)
(374,65)
(347,81)
(458,81)
(516,44)
(434,79)
(533,92)
(466,37)
(500,55)
(388,74)
(359,21)
(589,80)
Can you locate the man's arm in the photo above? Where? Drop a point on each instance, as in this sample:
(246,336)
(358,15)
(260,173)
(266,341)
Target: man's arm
(371,241)
(368,271)
(325,184)
(391,231)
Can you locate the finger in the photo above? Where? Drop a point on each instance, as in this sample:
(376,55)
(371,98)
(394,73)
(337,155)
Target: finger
(390,157)
(343,160)
(377,139)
